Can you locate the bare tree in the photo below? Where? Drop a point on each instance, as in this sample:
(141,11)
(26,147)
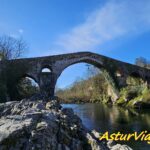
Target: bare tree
(11,48)
(92,70)
(141,62)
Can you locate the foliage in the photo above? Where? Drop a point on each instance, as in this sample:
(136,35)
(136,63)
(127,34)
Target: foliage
(134,95)
(95,89)
(146,95)
(92,89)
(26,88)
(121,101)
(134,81)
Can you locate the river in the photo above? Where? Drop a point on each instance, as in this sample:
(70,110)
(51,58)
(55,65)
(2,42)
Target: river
(113,119)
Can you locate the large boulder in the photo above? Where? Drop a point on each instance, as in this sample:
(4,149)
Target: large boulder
(41,125)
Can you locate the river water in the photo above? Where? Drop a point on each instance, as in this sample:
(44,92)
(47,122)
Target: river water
(113,119)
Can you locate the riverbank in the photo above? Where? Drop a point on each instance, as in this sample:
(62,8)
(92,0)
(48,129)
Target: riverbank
(130,100)
(135,94)
(114,119)
(46,126)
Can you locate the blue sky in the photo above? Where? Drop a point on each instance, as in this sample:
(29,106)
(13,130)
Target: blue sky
(116,28)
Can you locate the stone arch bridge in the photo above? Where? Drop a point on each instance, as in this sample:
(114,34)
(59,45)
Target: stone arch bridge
(115,71)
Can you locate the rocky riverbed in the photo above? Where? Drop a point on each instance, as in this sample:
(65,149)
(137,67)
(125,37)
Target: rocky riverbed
(45,125)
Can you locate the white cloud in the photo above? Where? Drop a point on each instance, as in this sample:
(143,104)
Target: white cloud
(116,19)
(10,31)
(21,31)
(17,34)
(13,36)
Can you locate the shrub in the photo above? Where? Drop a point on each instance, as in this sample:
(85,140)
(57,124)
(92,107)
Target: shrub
(146,96)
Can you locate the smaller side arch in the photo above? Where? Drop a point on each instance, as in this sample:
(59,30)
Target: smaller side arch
(135,74)
(29,76)
(135,78)
(21,87)
(46,68)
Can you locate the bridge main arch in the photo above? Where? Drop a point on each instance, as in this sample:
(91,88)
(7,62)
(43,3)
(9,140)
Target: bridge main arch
(92,60)
(72,83)
(61,65)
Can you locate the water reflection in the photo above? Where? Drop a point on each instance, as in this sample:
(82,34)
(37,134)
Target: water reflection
(113,119)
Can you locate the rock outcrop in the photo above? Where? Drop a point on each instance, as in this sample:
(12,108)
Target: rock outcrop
(41,125)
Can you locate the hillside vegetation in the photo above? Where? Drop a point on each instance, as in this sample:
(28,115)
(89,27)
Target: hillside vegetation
(96,89)
(93,89)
